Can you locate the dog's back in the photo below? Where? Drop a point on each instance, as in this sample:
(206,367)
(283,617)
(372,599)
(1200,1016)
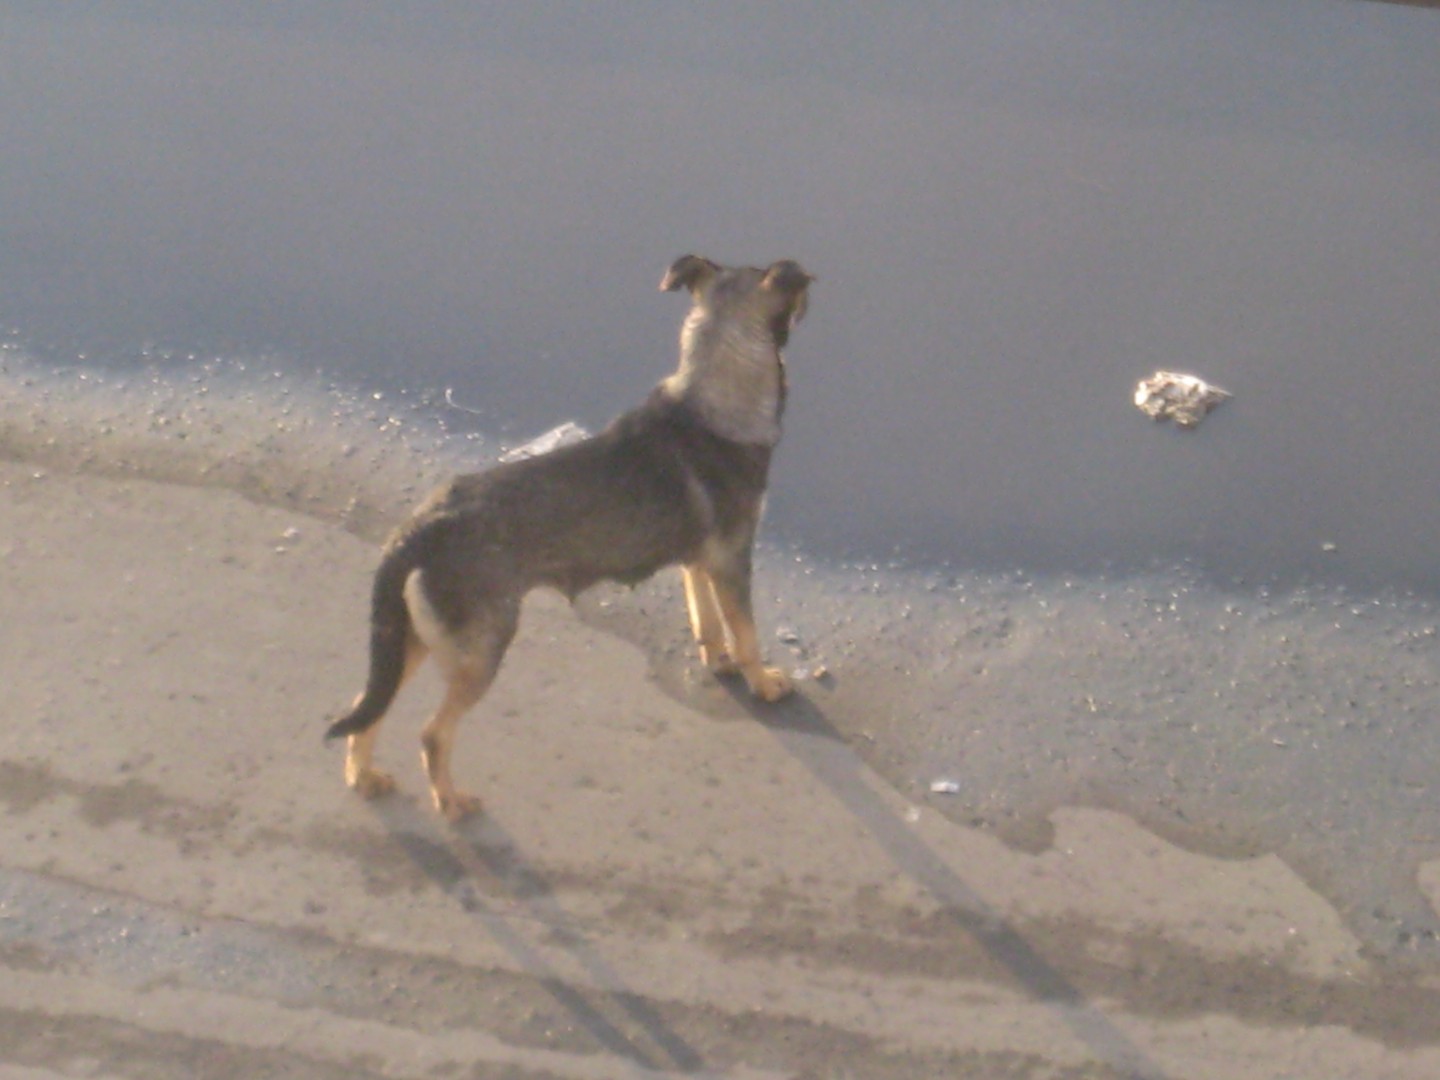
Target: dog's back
(679,479)
(643,494)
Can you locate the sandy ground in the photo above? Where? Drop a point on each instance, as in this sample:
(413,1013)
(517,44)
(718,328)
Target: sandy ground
(188,890)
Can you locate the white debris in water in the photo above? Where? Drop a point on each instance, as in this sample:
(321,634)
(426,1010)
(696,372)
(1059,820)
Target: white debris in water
(945,787)
(1172,395)
(567,433)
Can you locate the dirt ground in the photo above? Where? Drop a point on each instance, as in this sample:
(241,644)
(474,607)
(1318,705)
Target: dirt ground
(187,889)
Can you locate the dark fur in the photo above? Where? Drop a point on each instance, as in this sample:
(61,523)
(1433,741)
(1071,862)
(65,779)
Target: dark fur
(659,486)
(632,471)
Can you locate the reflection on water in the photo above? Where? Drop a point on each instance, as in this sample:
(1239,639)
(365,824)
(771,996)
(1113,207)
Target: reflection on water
(1014,211)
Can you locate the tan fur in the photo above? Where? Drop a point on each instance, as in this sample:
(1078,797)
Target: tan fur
(680,479)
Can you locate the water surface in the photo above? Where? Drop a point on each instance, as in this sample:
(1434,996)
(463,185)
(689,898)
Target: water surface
(1015,213)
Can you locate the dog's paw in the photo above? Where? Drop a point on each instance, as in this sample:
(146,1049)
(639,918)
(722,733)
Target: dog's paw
(371,783)
(768,683)
(455,806)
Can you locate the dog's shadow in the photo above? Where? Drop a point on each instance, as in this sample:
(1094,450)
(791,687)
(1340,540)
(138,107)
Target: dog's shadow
(479,865)
(803,730)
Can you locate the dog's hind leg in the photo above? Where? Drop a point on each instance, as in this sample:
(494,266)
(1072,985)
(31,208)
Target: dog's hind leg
(731,582)
(706,621)
(469,661)
(360,772)
(465,686)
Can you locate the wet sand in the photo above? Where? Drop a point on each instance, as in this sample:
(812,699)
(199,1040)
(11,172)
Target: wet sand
(665,880)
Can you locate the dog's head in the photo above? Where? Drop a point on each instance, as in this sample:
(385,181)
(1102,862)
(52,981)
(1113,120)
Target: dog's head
(731,371)
(776,296)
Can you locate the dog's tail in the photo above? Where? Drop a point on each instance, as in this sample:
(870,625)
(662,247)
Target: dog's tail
(389,630)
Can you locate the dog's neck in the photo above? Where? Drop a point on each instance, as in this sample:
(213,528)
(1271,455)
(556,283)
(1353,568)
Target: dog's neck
(733,376)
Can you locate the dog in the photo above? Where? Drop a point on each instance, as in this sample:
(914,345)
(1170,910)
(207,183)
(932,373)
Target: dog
(678,480)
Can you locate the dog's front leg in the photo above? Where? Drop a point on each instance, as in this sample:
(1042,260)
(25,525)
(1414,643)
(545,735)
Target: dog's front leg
(706,621)
(731,585)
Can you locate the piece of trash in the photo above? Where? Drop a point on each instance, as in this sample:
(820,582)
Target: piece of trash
(1172,395)
(567,433)
(1329,546)
(450,400)
(945,787)
(788,635)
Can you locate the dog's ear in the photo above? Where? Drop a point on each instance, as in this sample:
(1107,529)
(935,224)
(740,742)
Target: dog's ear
(688,272)
(786,276)
(789,279)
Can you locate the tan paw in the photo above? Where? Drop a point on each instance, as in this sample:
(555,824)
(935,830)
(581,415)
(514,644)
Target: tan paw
(371,783)
(456,806)
(768,683)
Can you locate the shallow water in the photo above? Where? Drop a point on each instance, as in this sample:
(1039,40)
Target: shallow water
(1014,214)
(1236,722)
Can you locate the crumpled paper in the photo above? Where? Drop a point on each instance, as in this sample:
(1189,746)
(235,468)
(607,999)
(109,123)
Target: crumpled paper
(1173,395)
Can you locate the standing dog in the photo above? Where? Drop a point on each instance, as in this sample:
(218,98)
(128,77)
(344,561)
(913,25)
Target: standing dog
(680,479)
